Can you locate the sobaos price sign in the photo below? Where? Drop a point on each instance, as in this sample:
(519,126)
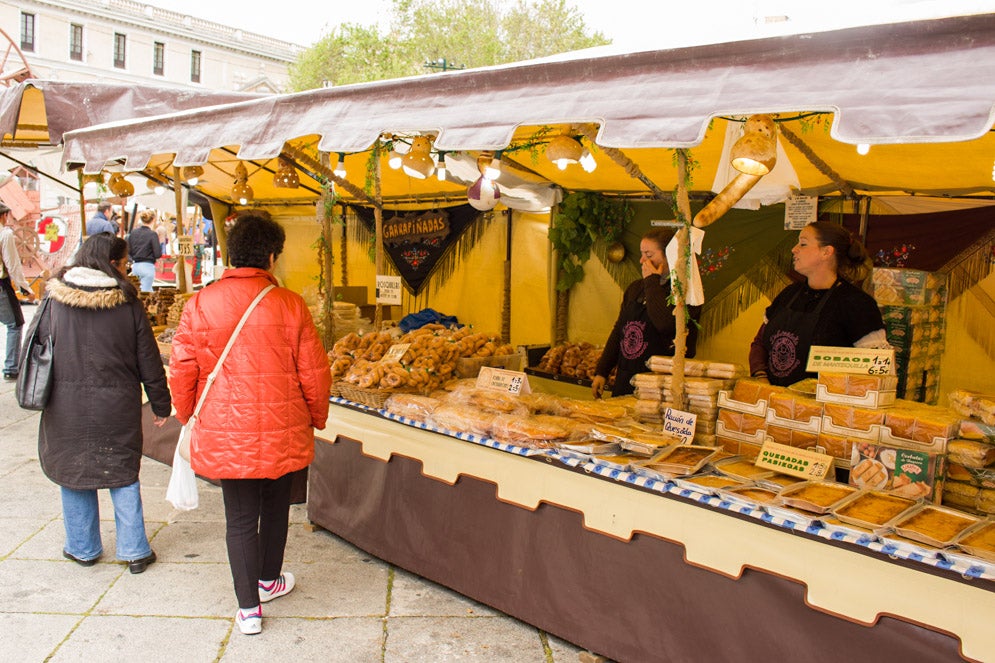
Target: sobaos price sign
(863,361)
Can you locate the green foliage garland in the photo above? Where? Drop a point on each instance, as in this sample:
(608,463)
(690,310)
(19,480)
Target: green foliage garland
(583,218)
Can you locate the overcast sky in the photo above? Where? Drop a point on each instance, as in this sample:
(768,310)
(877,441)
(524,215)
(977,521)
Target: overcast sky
(629,23)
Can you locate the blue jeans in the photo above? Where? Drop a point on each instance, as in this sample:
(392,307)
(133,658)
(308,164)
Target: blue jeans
(81,514)
(13,348)
(145,271)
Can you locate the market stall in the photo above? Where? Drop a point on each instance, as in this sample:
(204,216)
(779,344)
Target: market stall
(537,558)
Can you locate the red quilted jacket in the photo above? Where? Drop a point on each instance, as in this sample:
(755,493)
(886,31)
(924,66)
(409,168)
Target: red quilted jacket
(258,419)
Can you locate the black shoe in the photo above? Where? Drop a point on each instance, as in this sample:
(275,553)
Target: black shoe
(139,565)
(10,377)
(81,562)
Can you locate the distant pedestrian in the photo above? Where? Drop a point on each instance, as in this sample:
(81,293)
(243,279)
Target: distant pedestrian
(101,222)
(144,249)
(257,424)
(90,435)
(11,277)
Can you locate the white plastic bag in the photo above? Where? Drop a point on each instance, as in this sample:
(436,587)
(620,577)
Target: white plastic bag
(182,489)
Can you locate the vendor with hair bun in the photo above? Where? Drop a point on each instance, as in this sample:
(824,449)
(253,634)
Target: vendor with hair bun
(827,308)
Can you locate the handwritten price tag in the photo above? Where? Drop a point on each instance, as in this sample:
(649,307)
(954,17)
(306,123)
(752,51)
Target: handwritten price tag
(680,423)
(499,379)
(395,352)
(863,361)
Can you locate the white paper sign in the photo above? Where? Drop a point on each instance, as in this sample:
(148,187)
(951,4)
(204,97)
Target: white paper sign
(395,352)
(799,211)
(499,379)
(862,361)
(184,245)
(388,289)
(680,423)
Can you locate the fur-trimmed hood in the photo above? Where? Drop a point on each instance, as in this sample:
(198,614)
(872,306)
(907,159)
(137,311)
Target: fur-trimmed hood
(82,287)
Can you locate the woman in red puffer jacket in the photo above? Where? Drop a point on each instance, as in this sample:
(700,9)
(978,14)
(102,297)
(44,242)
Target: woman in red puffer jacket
(256,426)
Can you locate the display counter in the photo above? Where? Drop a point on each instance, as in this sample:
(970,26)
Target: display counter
(628,569)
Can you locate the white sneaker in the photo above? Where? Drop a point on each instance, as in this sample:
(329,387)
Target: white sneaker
(271,589)
(250,622)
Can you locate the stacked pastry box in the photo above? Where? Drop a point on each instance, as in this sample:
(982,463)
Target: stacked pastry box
(702,383)
(971,456)
(912,304)
(888,444)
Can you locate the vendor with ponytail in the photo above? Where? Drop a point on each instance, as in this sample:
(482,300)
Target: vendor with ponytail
(827,308)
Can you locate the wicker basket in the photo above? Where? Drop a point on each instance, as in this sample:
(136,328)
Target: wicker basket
(469,367)
(374,398)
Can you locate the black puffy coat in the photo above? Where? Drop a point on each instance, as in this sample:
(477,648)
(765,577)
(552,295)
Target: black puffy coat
(90,434)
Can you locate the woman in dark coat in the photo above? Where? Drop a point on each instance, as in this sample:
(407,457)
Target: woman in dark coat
(90,436)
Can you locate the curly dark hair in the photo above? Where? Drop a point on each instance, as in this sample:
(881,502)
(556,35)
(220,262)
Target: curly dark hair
(253,238)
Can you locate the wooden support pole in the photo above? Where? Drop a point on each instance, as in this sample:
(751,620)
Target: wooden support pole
(680,288)
(378,217)
(181,260)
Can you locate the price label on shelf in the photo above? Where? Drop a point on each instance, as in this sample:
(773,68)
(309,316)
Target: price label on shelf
(863,361)
(395,352)
(499,379)
(803,463)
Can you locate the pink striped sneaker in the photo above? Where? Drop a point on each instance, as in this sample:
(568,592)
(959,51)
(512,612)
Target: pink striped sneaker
(271,589)
(249,622)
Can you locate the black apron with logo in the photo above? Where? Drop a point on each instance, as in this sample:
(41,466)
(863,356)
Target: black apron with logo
(639,339)
(788,339)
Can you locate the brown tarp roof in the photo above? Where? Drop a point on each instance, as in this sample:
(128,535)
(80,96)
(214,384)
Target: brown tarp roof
(39,112)
(924,83)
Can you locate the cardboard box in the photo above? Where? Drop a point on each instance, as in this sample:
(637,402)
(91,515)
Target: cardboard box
(912,473)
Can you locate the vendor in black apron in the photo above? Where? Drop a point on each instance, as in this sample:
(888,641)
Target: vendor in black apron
(824,309)
(645,324)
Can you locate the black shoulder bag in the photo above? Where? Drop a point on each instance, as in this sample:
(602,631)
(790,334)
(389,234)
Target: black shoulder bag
(34,375)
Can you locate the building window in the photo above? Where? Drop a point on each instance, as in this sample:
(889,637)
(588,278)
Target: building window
(195,66)
(75,42)
(159,58)
(120,43)
(27,32)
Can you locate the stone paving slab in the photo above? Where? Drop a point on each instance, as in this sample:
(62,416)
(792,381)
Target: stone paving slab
(411,595)
(18,532)
(339,640)
(53,587)
(172,589)
(33,636)
(483,639)
(111,639)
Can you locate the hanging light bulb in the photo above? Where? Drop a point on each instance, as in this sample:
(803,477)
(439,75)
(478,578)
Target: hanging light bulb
(863,148)
(587,161)
(119,186)
(755,153)
(493,169)
(418,162)
(241,191)
(483,194)
(394,157)
(440,167)
(340,166)
(154,181)
(286,176)
(563,151)
(191,174)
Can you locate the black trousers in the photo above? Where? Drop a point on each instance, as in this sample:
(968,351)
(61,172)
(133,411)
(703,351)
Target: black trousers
(257,513)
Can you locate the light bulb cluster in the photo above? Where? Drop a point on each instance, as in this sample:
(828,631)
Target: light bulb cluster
(755,153)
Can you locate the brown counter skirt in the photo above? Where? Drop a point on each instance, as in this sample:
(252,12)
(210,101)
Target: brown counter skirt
(632,600)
